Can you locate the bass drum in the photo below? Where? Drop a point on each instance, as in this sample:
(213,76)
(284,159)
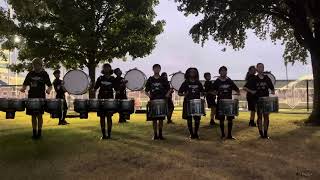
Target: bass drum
(271,76)
(76,82)
(136,79)
(176,80)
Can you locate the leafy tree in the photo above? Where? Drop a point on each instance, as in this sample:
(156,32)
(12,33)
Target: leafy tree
(84,33)
(294,22)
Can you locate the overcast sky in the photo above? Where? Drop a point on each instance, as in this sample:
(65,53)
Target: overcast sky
(176,51)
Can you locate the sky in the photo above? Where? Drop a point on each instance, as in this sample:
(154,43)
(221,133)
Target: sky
(175,51)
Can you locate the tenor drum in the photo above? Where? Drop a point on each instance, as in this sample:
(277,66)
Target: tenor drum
(4,104)
(196,107)
(94,105)
(176,80)
(55,107)
(126,106)
(228,107)
(76,82)
(35,105)
(109,105)
(158,108)
(136,80)
(268,104)
(81,106)
(17,104)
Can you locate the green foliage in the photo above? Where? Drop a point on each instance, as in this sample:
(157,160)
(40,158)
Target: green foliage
(83,33)
(293,22)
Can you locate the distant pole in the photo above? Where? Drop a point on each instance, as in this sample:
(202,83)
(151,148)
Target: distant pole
(307,95)
(286,64)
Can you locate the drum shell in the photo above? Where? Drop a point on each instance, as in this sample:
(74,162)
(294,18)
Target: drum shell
(228,107)
(35,104)
(4,104)
(109,105)
(54,105)
(158,108)
(126,105)
(94,105)
(80,105)
(268,104)
(196,107)
(17,104)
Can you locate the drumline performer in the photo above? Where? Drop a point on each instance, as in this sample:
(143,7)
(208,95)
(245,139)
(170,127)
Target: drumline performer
(210,97)
(60,94)
(260,86)
(191,88)
(37,80)
(157,88)
(105,83)
(121,93)
(223,87)
(164,75)
(251,98)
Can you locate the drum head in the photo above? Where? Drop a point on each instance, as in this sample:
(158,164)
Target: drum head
(136,79)
(176,80)
(271,76)
(76,82)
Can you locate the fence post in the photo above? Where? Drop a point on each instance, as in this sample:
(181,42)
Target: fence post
(307,95)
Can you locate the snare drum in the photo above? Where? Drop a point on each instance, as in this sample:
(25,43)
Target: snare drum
(126,106)
(136,79)
(157,108)
(81,106)
(35,106)
(55,107)
(228,107)
(76,82)
(196,107)
(268,104)
(109,105)
(176,80)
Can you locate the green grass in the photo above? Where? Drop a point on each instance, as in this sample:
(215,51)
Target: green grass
(75,151)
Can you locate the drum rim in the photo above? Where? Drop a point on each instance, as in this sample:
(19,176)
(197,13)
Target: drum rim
(145,79)
(179,72)
(82,73)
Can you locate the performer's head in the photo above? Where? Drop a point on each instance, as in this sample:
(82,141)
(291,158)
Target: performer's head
(223,71)
(164,75)
(192,74)
(56,74)
(118,72)
(207,76)
(260,68)
(156,68)
(106,69)
(37,64)
(251,71)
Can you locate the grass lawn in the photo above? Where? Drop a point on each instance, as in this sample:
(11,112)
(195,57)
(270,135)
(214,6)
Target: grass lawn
(75,151)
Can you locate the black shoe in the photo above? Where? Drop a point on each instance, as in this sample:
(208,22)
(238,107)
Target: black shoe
(34,137)
(170,122)
(65,122)
(252,124)
(196,136)
(222,137)
(155,138)
(60,123)
(103,138)
(162,138)
(212,123)
(231,138)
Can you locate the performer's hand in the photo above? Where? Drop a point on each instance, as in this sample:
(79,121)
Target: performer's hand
(273,92)
(48,91)
(23,89)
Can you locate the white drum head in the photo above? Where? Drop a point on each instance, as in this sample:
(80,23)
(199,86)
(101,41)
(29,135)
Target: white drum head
(76,82)
(136,79)
(272,77)
(176,80)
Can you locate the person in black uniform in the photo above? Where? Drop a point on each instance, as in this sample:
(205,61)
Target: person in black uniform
(223,87)
(164,75)
(105,84)
(157,88)
(251,98)
(60,94)
(37,79)
(210,97)
(121,93)
(260,87)
(191,88)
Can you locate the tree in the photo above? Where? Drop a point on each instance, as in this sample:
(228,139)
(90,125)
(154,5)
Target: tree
(294,22)
(84,33)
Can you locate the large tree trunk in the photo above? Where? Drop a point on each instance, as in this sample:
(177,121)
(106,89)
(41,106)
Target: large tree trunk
(315,115)
(92,75)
